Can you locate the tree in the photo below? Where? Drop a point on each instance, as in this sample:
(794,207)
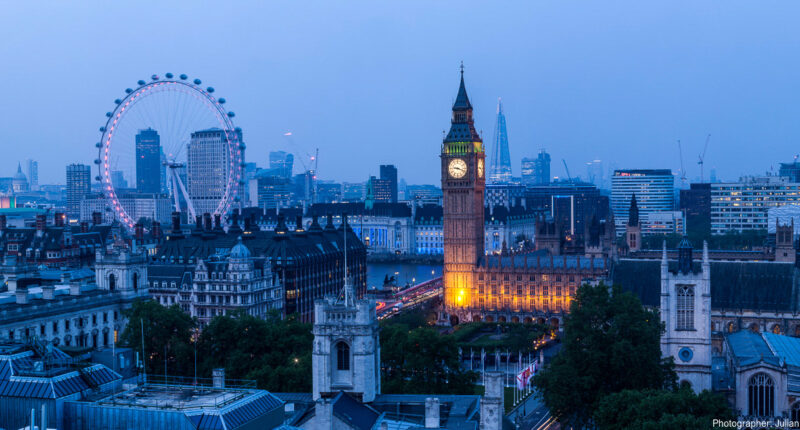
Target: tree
(660,409)
(421,360)
(167,333)
(275,353)
(611,343)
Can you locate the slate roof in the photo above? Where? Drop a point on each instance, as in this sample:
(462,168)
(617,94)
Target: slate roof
(357,415)
(541,259)
(762,286)
(393,210)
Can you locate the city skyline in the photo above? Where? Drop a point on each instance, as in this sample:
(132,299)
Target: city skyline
(580,90)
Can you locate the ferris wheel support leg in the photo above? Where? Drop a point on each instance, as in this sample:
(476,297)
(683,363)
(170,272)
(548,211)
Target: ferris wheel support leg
(189,204)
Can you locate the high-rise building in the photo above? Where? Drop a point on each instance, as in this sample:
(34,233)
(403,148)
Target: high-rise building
(536,171)
(118,179)
(654,189)
(789,170)
(389,174)
(148,161)
(500,171)
(379,190)
(271,191)
(695,203)
(594,173)
(207,168)
(744,205)
(78,186)
(281,161)
(33,174)
(353,191)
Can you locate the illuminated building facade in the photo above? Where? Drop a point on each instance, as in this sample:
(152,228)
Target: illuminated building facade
(516,288)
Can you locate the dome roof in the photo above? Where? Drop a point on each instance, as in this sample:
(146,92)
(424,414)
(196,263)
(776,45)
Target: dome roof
(239,250)
(19,176)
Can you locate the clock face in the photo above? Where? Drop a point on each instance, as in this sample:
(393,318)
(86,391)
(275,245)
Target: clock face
(457,168)
(480,168)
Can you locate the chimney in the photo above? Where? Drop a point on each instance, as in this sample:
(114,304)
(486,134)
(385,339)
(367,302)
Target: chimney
(198,222)
(218,377)
(217,221)
(384,425)
(41,223)
(58,219)
(176,222)
(431,413)
(11,282)
(207,221)
(65,277)
(97,218)
(22,296)
(156,230)
(84,227)
(3,224)
(298,223)
(48,292)
(74,289)
(138,232)
(491,409)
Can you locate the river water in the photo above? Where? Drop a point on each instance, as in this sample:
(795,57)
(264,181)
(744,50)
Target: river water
(403,272)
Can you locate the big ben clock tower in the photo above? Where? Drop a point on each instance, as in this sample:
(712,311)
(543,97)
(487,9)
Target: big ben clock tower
(463,183)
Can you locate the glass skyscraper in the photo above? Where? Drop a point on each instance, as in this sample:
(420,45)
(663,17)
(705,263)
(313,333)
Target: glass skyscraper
(148,161)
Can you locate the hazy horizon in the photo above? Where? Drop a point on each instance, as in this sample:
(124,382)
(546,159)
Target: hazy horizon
(372,83)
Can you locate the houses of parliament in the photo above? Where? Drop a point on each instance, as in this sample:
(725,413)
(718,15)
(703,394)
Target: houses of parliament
(523,287)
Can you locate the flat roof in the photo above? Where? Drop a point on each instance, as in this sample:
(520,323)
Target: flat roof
(176,397)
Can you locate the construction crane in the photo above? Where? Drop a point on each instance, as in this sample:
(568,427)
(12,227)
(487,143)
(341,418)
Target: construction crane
(702,157)
(307,161)
(569,178)
(683,169)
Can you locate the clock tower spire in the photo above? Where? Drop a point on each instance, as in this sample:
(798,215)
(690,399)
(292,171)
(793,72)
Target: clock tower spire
(463,183)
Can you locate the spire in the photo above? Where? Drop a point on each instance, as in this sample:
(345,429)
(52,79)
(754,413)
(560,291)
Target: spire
(462,101)
(633,212)
(19,165)
(664,253)
(705,252)
(500,170)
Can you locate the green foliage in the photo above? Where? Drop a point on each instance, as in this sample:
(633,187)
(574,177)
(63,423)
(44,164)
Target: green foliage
(660,409)
(275,353)
(421,360)
(610,343)
(167,333)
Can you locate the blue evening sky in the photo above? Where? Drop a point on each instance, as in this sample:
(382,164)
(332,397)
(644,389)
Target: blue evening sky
(371,82)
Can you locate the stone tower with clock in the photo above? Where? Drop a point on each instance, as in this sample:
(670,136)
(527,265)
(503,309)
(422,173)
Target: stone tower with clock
(463,183)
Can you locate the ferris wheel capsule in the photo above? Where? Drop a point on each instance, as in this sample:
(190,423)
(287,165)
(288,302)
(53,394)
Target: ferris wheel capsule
(108,114)
(231,114)
(154,77)
(221,100)
(242,146)
(197,82)
(103,129)
(98,144)
(96,161)
(169,75)
(238,129)
(118,101)
(141,82)
(128,90)
(184,77)
(210,89)
(97,178)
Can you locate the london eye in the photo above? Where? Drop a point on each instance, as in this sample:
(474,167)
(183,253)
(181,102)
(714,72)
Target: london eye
(170,138)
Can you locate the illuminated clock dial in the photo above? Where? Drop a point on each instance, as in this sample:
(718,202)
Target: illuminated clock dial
(457,168)
(480,168)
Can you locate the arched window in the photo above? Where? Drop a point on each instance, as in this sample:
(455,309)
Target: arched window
(342,356)
(135,281)
(685,307)
(776,329)
(795,411)
(730,327)
(112,282)
(761,396)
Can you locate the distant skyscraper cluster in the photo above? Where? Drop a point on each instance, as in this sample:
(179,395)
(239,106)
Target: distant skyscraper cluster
(536,171)
(33,174)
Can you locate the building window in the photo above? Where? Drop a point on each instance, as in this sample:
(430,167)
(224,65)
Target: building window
(795,411)
(685,307)
(761,396)
(342,356)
